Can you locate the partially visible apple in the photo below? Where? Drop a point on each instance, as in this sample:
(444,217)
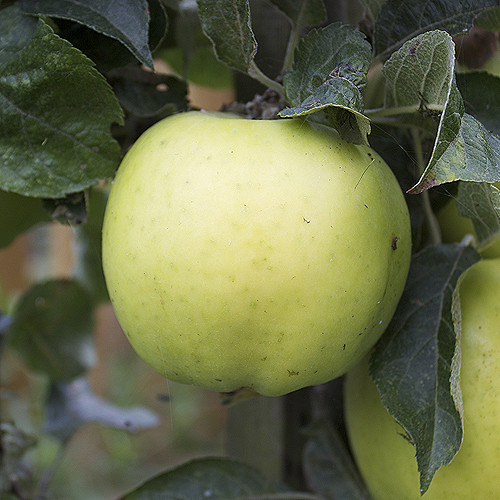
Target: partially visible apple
(267,254)
(386,458)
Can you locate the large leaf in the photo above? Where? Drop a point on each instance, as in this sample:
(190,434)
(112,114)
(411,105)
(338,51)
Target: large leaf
(124,20)
(416,366)
(51,329)
(227,24)
(398,21)
(55,113)
(328,72)
(72,404)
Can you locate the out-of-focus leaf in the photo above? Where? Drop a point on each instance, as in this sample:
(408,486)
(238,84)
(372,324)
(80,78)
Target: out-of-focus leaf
(398,22)
(213,478)
(73,404)
(303,13)
(17,214)
(481,203)
(148,94)
(51,329)
(55,113)
(88,248)
(489,19)
(373,7)
(124,20)
(202,69)
(415,364)
(328,72)
(481,94)
(328,465)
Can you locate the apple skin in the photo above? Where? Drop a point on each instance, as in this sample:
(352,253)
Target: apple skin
(387,460)
(267,254)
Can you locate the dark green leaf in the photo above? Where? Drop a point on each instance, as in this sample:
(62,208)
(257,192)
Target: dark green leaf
(302,12)
(227,24)
(213,478)
(148,94)
(400,21)
(19,213)
(373,7)
(328,466)
(51,329)
(481,95)
(329,71)
(481,203)
(415,365)
(125,20)
(73,404)
(55,113)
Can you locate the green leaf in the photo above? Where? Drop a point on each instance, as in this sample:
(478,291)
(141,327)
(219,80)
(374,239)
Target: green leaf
(419,75)
(73,404)
(18,214)
(227,24)
(328,465)
(328,73)
(51,329)
(148,94)
(303,12)
(464,149)
(213,478)
(400,21)
(55,113)
(126,20)
(481,95)
(416,362)
(481,203)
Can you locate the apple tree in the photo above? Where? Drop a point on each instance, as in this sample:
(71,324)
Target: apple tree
(417,81)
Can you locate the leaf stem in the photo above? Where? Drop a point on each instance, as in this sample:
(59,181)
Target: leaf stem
(293,40)
(256,73)
(400,110)
(433,224)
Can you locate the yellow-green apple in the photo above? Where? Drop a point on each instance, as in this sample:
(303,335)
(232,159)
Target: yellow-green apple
(267,254)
